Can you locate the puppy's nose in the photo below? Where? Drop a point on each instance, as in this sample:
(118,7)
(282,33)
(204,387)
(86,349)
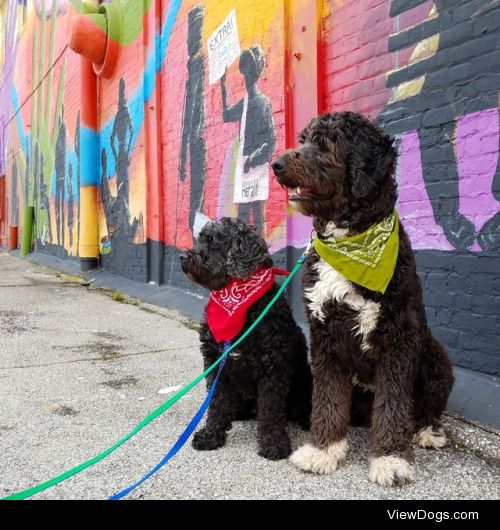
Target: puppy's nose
(278,165)
(183,257)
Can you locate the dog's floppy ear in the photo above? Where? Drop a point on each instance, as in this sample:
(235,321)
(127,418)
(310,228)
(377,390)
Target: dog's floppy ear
(362,183)
(366,175)
(248,251)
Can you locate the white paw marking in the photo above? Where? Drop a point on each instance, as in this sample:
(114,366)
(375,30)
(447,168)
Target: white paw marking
(391,470)
(320,461)
(431,438)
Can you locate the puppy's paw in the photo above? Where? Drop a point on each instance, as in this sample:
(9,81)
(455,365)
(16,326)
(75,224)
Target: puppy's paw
(320,461)
(205,440)
(391,471)
(431,437)
(277,449)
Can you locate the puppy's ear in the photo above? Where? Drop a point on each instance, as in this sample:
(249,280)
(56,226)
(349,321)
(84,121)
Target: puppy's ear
(247,253)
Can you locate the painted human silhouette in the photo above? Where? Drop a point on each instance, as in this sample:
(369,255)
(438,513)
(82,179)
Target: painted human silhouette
(41,201)
(463,91)
(27,180)
(14,196)
(257,139)
(44,206)
(60,168)
(121,140)
(36,162)
(193,119)
(116,208)
(105,192)
(71,216)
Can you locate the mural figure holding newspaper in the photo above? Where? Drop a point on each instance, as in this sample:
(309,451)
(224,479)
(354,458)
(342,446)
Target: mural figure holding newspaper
(257,139)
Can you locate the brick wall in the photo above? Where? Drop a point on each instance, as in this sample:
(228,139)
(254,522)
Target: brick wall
(428,73)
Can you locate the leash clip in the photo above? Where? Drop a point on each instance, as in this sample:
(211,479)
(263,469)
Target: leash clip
(233,354)
(308,247)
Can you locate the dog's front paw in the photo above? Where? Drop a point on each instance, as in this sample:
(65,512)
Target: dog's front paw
(320,461)
(276,450)
(391,471)
(431,437)
(205,440)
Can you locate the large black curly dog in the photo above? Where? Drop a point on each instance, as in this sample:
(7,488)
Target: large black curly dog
(369,342)
(269,374)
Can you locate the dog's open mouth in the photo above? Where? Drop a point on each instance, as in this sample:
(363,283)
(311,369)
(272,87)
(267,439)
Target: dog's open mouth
(298,194)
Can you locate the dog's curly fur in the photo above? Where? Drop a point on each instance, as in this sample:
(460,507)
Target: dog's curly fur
(269,376)
(371,348)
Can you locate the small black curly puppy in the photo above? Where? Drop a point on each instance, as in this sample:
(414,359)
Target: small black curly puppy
(269,374)
(363,298)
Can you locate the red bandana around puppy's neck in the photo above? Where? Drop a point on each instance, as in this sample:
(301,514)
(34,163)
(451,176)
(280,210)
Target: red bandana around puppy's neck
(227,308)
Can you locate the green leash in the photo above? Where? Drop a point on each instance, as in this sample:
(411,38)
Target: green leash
(162,408)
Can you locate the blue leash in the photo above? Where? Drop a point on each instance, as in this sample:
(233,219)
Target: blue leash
(183,438)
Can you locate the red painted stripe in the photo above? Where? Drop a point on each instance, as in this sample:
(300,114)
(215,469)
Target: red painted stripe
(88,95)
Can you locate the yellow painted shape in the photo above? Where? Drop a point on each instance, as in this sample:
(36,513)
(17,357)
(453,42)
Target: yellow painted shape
(423,50)
(408,89)
(253,22)
(88,222)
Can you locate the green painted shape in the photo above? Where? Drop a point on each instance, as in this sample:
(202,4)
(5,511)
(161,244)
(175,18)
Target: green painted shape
(50,81)
(27,230)
(83,8)
(44,117)
(34,82)
(115,20)
(41,59)
(130,26)
(99,21)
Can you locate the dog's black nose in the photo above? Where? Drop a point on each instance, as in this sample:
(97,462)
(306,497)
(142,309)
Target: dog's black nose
(183,257)
(278,165)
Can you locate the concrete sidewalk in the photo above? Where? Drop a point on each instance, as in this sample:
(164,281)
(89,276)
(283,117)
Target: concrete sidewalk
(79,369)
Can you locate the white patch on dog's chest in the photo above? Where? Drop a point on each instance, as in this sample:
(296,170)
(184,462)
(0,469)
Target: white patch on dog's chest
(335,287)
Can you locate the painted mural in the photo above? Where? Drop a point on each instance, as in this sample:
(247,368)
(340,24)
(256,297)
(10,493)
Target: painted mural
(427,70)
(38,132)
(230,119)
(196,107)
(457,135)
(13,14)
(41,113)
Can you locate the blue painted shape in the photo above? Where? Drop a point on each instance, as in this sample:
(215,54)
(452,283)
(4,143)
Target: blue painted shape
(89,170)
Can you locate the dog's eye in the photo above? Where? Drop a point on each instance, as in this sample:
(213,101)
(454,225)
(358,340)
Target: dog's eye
(320,141)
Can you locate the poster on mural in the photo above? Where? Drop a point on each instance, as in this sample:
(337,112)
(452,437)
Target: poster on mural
(223,47)
(252,184)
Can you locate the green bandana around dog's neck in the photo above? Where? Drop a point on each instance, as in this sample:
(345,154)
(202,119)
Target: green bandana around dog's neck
(369,258)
